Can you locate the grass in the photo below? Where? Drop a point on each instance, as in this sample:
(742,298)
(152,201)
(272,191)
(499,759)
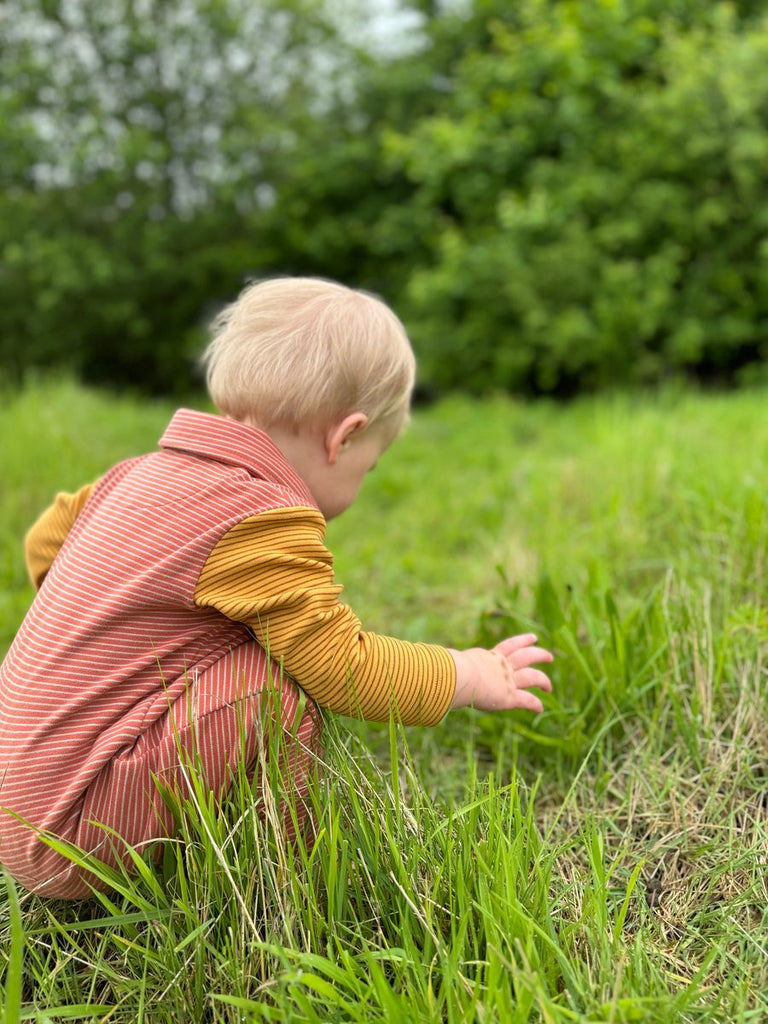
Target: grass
(605,862)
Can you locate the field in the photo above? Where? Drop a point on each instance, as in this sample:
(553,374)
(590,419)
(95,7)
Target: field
(607,861)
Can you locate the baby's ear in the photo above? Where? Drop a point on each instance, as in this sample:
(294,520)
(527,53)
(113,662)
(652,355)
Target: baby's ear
(340,434)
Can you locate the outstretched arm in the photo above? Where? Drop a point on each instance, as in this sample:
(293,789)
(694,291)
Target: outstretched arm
(273,572)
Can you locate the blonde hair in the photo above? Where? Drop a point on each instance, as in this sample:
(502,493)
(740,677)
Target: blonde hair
(303,350)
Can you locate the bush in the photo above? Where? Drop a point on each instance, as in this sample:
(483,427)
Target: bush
(598,207)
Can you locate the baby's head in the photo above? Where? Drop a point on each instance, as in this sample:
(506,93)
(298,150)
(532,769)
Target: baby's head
(325,370)
(300,351)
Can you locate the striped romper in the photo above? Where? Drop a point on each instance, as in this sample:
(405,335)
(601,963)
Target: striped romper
(161,587)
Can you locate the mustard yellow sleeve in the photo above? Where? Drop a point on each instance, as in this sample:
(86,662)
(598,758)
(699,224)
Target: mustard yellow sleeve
(48,533)
(274,573)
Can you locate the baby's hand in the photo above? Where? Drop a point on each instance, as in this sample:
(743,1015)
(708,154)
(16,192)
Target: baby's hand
(499,679)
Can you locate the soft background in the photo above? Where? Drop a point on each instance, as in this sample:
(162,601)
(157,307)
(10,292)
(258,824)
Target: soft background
(567,203)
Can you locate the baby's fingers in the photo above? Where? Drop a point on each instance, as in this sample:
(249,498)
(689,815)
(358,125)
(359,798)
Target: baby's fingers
(528,702)
(515,643)
(521,652)
(528,656)
(526,678)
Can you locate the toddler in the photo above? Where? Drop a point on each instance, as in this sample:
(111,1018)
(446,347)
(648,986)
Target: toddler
(173,589)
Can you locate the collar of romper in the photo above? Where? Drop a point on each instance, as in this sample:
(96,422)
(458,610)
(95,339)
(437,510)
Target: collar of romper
(234,444)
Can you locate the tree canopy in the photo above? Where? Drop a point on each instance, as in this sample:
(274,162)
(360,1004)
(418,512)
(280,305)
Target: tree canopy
(555,196)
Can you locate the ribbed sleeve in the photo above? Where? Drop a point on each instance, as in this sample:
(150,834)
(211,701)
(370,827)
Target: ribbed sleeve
(273,572)
(48,533)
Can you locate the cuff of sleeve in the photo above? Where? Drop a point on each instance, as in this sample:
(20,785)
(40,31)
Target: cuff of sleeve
(437,694)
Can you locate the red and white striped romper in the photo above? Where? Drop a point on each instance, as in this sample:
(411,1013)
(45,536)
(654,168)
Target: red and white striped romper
(160,588)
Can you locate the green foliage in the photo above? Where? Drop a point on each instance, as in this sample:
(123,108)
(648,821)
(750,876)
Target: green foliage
(555,196)
(594,187)
(145,143)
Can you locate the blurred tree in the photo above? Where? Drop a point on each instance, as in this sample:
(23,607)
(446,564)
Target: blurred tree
(528,190)
(589,199)
(555,195)
(142,141)
(344,207)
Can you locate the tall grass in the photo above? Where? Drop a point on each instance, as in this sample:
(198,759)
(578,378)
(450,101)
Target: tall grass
(604,862)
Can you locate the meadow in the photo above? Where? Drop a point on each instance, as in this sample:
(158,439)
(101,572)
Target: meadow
(605,862)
